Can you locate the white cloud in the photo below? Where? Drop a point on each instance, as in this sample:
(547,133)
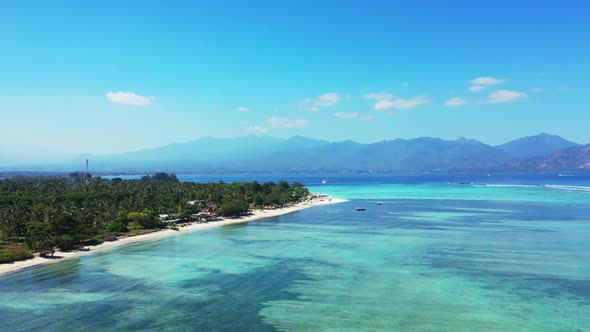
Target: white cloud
(307,105)
(378,96)
(487,80)
(353,115)
(346,115)
(328,99)
(257,129)
(385,101)
(504,96)
(324,100)
(242,109)
(129,98)
(537,90)
(279,122)
(477,88)
(456,101)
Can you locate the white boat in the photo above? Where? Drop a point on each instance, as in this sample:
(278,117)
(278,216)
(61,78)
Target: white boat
(324,181)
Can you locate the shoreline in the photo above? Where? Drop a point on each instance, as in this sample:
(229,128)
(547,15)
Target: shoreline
(60,256)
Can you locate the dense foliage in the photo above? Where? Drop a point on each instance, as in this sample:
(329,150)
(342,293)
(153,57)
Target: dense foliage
(13,253)
(48,212)
(233,207)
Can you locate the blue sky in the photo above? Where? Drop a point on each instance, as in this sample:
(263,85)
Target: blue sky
(113,76)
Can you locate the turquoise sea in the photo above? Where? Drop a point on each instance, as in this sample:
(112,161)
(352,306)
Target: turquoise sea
(443,252)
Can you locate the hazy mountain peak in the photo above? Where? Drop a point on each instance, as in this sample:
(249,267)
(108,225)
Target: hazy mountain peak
(465,140)
(537,145)
(303,141)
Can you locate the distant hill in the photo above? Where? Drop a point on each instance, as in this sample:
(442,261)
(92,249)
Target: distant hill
(535,146)
(265,154)
(220,149)
(302,154)
(574,159)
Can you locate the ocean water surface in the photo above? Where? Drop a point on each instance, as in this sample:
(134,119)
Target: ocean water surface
(443,252)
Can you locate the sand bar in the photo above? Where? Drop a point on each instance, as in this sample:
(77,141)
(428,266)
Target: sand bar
(194,227)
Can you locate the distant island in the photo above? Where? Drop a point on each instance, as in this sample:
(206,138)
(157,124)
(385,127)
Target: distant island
(44,214)
(540,153)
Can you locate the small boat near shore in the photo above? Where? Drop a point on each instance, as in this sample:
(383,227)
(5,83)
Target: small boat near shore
(379,203)
(360,209)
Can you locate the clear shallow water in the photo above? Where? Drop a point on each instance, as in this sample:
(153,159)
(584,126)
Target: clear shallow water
(434,257)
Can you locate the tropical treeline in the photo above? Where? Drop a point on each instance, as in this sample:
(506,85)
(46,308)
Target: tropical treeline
(45,213)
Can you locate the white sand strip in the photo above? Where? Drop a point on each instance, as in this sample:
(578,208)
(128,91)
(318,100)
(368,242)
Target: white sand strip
(194,227)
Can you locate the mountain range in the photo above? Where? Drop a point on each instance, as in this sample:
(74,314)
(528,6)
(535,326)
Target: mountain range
(574,159)
(542,152)
(535,146)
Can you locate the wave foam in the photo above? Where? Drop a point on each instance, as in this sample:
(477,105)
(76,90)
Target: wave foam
(540,186)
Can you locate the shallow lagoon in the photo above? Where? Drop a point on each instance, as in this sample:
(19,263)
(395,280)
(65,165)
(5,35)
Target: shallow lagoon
(432,257)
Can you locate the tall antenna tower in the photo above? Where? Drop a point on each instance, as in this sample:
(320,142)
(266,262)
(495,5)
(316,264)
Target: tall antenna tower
(87,169)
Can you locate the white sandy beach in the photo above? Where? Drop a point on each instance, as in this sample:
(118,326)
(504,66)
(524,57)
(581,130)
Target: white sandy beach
(194,227)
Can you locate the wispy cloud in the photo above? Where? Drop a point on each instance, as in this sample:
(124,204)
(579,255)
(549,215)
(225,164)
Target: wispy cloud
(280,122)
(378,96)
(384,101)
(486,80)
(353,115)
(536,90)
(477,88)
(307,104)
(242,109)
(257,129)
(328,99)
(505,96)
(564,88)
(324,100)
(129,98)
(456,101)
(346,115)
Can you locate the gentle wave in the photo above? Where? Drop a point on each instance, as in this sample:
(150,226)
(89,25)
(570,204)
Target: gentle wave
(540,186)
(515,185)
(563,187)
(494,185)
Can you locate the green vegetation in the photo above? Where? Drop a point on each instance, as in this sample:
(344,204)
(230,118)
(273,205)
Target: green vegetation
(233,208)
(45,213)
(14,252)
